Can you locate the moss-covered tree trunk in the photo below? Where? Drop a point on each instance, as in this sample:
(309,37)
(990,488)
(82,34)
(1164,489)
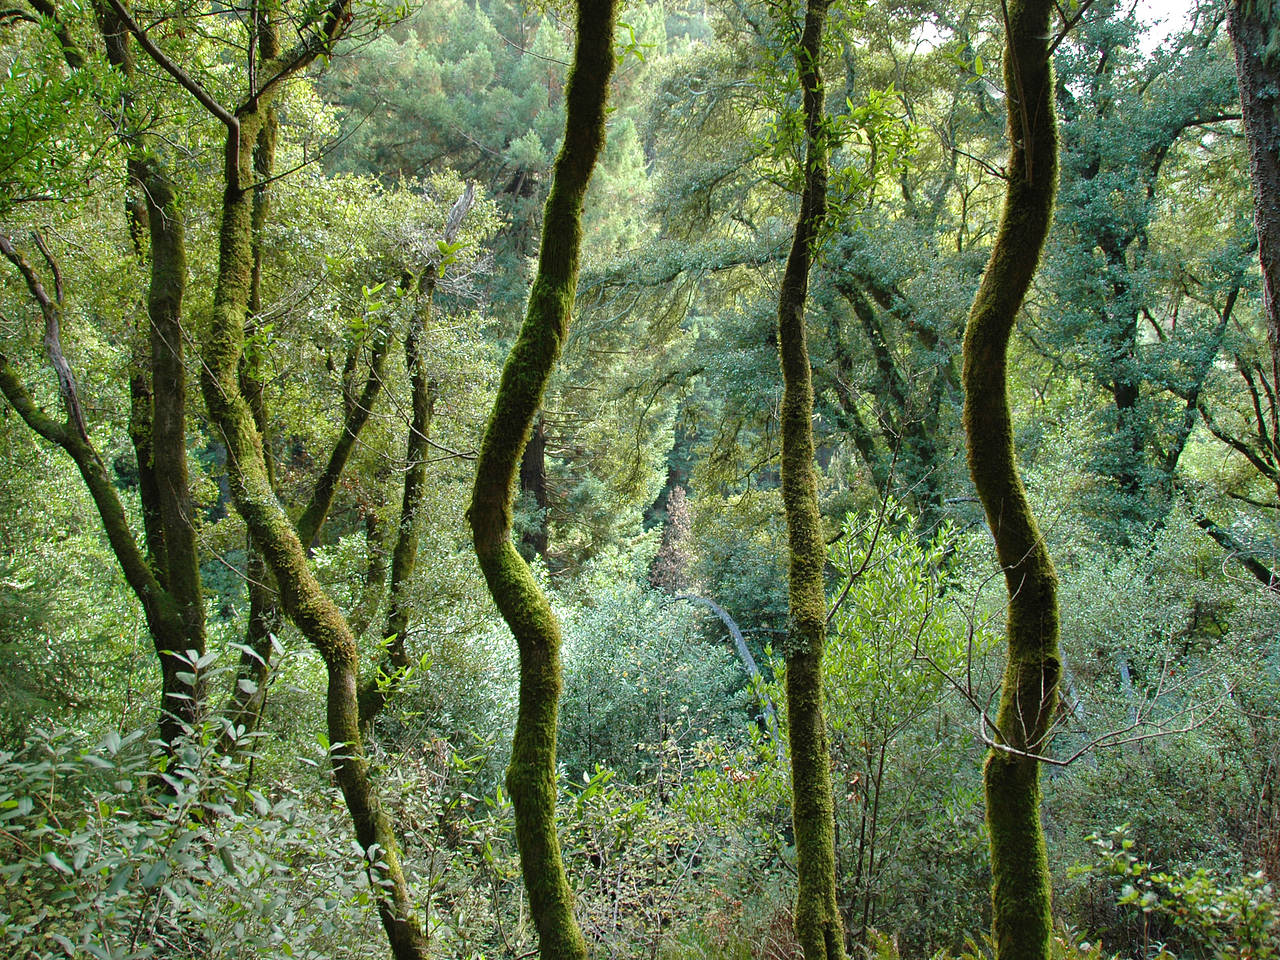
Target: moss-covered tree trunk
(1020,891)
(817,918)
(179,567)
(303,599)
(531,777)
(1254,26)
(301,596)
(167,580)
(404,555)
(248,699)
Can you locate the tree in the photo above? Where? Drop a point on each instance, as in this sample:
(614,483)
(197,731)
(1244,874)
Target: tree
(531,777)
(817,917)
(1020,893)
(283,545)
(1137,310)
(1254,27)
(167,579)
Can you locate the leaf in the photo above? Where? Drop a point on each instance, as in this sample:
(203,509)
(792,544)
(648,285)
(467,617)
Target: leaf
(155,874)
(55,861)
(122,877)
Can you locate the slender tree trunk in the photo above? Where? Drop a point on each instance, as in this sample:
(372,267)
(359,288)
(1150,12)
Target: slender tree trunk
(1020,890)
(249,697)
(169,443)
(404,555)
(817,918)
(531,777)
(158,395)
(1255,35)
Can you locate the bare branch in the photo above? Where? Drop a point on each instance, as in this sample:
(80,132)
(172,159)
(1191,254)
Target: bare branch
(52,311)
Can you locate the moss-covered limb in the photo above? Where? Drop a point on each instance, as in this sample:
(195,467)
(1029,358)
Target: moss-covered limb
(1254,27)
(141,408)
(817,919)
(1020,885)
(70,49)
(163,616)
(531,778)
(165,621)
(115,39)
(301,595)
(913,428)
(404,556)
(243,710)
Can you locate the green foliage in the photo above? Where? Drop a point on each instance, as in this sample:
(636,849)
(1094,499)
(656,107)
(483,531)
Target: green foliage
(47,118)
(1211,915)
(641,686)
(110,856)
(910,820)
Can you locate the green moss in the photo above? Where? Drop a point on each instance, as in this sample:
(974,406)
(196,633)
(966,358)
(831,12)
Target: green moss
(817,919)
(1020,883)
(531,777)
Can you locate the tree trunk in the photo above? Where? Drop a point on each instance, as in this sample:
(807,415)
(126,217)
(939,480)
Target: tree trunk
(531,777)
(817,917)
(1255,36)
(404,556)
(181,562)
(1020,890)
(302,597)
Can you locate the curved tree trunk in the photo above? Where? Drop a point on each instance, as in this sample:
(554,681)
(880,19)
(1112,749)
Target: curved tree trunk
(303,599)
(1020,889)
(531,778)
(817,919)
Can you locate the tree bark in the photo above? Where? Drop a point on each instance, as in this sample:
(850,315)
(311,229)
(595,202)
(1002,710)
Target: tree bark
(531,777)
(1255,36)
(817,917)
(1020,890)
(181,561)
(303,599)
(404,555)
